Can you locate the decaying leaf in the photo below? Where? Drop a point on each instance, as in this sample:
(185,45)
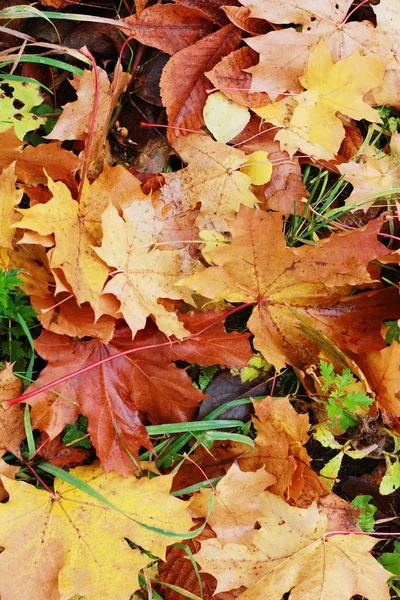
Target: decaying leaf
(10,198)
(79,544)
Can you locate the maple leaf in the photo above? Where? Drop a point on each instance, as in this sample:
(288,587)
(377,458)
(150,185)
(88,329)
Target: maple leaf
(294,552)
(184,98)
(12,430)
(376,173)
(144,274)
(60,164)
(75,121)
(285,191)
(79,545)
(303,12)
(381,368)
(331,87)
(240,16)
(142,383)
(76,227)
(11,197)
(170,27)
(233,520)
(313,280)
(212,177)
(63,315)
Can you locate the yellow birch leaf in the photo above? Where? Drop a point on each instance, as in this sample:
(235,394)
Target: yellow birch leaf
(224,118)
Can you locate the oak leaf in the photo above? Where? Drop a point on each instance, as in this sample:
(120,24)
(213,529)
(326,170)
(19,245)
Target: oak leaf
(315,280)
(12,430)
(184,97)
(170,27)
(76,119)
(79,545)
(233,519)
(212,177)
(142,383)
(294,552)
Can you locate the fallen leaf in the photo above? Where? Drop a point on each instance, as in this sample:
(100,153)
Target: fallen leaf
(17,100)
(12,430)
(63,315)
(240,16)
(331,87)
(315,280)
(76,228)
(211,8)
(303,12)
(169,28)
(80,545)
(292,552)
(60,164)
(233,519)
(229,75)
(285,191)
(212,177)
(279,449)
(376,173)
(382,370)
(57,453)
(142,383)
(11,197)
(184,98)
(223,118)
(144,274)
(76,119)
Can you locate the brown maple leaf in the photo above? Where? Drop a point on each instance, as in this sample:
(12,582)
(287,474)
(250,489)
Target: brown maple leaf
(314,280)
(144,384)
(12,430)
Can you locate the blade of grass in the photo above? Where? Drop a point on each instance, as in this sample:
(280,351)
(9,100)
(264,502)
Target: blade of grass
(28,431)
(44,60)
(196,487)
(192,426)
(26,79)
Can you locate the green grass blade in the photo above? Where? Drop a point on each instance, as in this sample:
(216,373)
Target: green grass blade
(28,431)
(196,487)
(45,60)
(26,79)
(192,426)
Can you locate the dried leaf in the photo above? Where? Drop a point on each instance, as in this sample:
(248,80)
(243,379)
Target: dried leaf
(12,430)
(184,98)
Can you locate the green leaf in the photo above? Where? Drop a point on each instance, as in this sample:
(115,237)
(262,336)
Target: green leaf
(391,560)
(331,470)
(366,519)
(17,100)
(391,480)
(206,376)
(73,434)
(327,373)
(393,333)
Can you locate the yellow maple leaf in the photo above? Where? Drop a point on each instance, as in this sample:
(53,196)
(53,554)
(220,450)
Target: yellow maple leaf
(66,543)
(294,552)
(144,274)
(331,88)
(10,198)
(212,177)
